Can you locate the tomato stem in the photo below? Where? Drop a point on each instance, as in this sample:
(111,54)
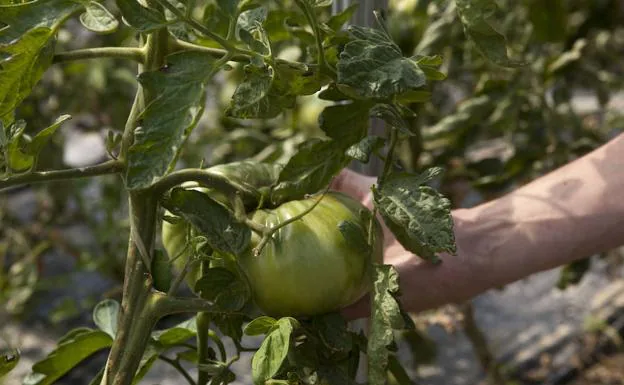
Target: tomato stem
(203,330)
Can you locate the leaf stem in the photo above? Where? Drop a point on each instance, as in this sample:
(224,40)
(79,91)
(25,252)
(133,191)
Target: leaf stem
(176,364)
(239,56)
(308,11)
(232,26)
(130,53)
(109,167)
(204,178)
(201,28)
(178,45)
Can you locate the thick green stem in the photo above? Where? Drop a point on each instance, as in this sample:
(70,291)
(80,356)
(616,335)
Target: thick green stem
(166,305)
(136,317)
(130,53)
(109,167)
(203,328)
(138,312)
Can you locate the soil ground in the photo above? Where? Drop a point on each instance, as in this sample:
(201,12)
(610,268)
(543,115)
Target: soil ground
(609,371)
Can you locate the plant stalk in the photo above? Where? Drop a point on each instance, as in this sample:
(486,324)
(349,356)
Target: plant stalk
(138,313)
(109,167)
(130,53)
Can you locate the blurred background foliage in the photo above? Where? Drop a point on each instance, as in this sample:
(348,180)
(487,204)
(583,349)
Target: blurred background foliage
(492,128)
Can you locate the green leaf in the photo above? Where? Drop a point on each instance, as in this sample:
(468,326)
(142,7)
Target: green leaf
(18,158)
(27,47)
(150,355)
(469,113)
(437,35)
(219,372)
(364,148)
(260,325)
(229,6)
(266,91)
(8,361)
(374,67)
(417,215)
(177,334)
(392,115)
(224,288)
(106,315)
(414,97)
(212,220)
(339,19)
(319,3)
(474,15)
(217,19)
(549,19)
(398,371)
(385,316)
(267,361)
(253,97)
(333,93)
(161,271)
(140,18)
(69,353)
(309,170)
(250,30)
(429,65)
(333,331)
(355,235)
(294,81)
(43,137)
(177,92)
(345,123)
(98,19)
(230,325)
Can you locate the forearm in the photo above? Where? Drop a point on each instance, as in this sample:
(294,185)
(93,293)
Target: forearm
(570,213)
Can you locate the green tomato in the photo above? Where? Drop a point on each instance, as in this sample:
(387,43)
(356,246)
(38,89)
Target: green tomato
(310,266)
(248,177)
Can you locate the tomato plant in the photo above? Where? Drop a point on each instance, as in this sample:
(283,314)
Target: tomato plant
(254,240)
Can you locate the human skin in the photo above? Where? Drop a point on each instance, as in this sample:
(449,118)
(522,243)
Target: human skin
(568,214)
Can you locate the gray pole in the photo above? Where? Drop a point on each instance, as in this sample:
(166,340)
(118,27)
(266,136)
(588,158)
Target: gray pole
(364,17)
